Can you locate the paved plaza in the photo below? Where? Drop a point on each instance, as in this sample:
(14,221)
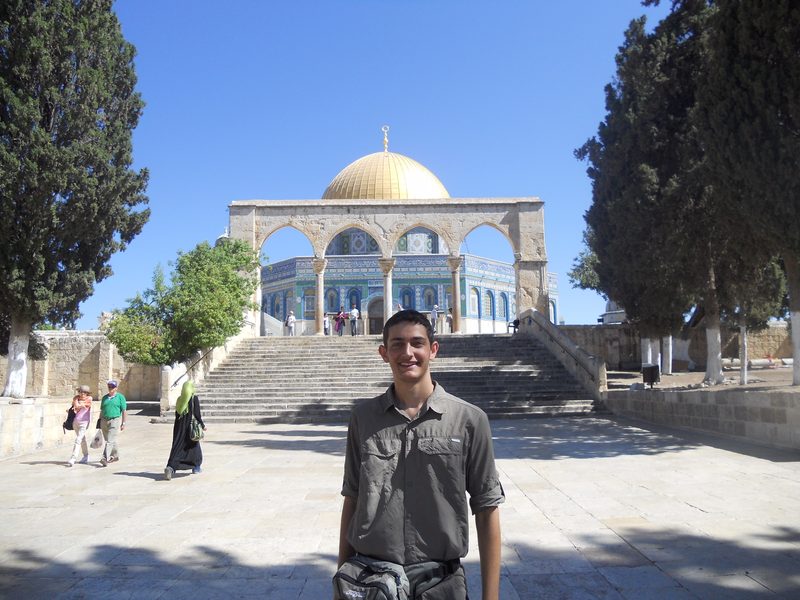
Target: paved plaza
(595,508)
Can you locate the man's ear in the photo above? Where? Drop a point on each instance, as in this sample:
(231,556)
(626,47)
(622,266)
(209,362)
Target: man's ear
(382,352)
(434,348)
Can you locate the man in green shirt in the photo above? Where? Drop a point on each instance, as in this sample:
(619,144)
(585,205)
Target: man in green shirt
(113,415)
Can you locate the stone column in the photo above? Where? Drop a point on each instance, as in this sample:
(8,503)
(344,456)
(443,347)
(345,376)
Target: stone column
(387,265)
(319,265)
(455,266)
(531,285)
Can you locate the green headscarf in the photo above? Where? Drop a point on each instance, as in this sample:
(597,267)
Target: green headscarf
(182,405)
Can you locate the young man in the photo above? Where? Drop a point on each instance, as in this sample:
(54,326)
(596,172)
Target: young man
(413,453)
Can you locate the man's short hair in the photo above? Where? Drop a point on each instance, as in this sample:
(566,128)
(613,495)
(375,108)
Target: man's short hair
(407,316)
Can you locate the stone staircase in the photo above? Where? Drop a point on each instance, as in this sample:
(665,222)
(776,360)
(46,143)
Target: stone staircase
(312,379)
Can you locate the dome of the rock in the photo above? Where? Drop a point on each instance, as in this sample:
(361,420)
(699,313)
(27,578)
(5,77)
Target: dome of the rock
(385,176)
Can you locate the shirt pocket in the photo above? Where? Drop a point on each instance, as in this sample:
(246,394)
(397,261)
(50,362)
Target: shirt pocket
(441,460)
(379,461)
(440,446)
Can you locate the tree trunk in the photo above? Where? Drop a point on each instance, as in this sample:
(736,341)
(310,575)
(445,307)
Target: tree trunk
(647,351)
(743,354)
(793,283)
(17,376)
(713,342)
(666,358)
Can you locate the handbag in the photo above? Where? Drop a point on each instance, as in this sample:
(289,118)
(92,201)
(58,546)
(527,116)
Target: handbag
(196,432)
(364,577)
(67,424)
(98,440)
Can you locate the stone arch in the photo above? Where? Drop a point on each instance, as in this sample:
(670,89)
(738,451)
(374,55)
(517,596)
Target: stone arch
(274,227)
(519,220)
(397,236)
(345,227)
(502,231)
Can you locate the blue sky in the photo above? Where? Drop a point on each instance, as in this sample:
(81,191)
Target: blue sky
(270,100)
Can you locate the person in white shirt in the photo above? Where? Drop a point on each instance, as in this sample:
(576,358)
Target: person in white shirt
(290,321)
(353,320)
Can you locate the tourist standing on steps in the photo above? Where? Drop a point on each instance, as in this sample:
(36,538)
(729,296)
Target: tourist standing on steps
(339,319)
(82,405)
(354,320)
(113,415)
(290,321)
(326,324)
(186,452)
(413,454)
(435,317)
(449,319)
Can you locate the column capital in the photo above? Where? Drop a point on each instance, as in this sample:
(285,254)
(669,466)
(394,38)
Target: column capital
(387,264)
(455,262)
(319,265)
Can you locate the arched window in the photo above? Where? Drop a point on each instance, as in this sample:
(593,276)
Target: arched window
(428,298)
(488,304)
(332,300)
(502,306)
(310,303)
(407,298)
(289,304)
(474,302)
(277,307)
(353,297)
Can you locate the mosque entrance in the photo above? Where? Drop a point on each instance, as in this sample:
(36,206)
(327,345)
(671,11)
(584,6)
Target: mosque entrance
(375,317)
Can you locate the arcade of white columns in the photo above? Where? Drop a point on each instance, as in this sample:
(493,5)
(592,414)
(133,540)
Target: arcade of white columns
(520,220)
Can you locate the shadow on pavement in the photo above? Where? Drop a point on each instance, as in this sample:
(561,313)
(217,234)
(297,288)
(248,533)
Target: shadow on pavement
(579,437)
(309,440)
(629,562)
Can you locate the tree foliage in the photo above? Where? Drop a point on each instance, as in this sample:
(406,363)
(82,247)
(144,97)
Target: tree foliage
(751,127)
(201,307)
(659,230)
(68,197)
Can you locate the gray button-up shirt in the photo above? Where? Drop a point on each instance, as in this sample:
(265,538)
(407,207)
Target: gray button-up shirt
(410,478)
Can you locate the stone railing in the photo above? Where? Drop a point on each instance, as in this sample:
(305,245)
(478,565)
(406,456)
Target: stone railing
(589,370)
(197,367)
(767,417)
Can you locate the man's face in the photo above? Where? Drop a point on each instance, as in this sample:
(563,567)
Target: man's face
(408,352)
(112,390)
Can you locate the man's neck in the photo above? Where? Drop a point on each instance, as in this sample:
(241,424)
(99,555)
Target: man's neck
(411,397)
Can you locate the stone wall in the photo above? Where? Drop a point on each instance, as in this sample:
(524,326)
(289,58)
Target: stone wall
(619,345)
(35,424)
(771,418)
(86,357)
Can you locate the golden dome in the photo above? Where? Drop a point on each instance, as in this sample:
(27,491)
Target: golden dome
(385,176)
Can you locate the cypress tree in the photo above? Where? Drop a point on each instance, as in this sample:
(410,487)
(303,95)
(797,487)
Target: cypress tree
(68,196)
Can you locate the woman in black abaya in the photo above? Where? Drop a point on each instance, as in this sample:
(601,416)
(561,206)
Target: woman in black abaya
(186,452)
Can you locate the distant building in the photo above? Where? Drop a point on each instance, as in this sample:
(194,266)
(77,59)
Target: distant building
(421,273)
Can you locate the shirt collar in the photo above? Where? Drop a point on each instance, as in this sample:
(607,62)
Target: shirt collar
(435,401)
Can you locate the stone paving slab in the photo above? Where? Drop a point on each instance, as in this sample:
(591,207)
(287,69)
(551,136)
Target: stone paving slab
(596,508)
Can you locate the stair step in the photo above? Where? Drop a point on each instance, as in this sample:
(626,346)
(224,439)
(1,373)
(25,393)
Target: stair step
(316,379)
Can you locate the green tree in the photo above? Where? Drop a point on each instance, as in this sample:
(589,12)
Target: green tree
(658,226)
(751,129)
(201,307)
(68,197)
